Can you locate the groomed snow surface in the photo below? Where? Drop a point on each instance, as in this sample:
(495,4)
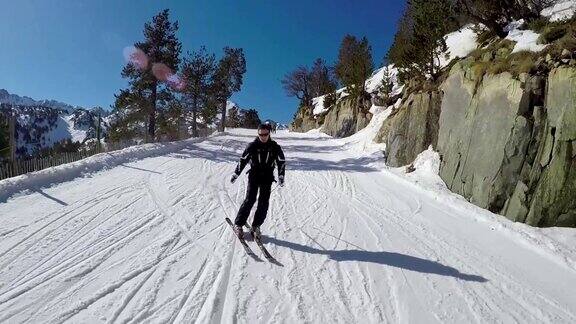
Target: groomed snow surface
(144,241)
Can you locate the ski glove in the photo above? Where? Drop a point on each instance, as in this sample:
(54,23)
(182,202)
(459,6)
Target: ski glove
(234,177)
(281,181)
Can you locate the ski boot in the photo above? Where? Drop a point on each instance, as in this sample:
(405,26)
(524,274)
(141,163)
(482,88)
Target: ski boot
(255,231)
(239,232)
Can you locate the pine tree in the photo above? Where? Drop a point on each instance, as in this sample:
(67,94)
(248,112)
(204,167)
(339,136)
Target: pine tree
(496,14)
(128,117)
(419,41)
(402,51)
(171,120)
(149,73)
(228,78)
(385,88)
(431,22)
(354,64)
(250,118)
(197,72)
(234,118)
(209,109)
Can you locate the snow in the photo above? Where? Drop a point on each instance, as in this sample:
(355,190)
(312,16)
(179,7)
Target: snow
(560,10)
(526,40)
(371,85)
(460,43)
(230,104)
(375,80)
(76,134)
(139,235)
(362,142)
(318,103)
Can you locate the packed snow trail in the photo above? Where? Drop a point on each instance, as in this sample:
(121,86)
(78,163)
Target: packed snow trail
(146,242)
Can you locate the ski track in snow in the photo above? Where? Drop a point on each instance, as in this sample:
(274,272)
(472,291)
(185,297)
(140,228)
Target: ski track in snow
(146,242)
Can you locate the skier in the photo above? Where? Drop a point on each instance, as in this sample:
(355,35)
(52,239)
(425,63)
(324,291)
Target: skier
(263,154)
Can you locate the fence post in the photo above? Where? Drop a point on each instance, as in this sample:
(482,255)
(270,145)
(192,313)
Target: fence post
(12,130)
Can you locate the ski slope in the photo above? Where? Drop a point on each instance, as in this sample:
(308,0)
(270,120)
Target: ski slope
(145,241)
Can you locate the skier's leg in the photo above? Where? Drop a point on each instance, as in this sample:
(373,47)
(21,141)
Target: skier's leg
(249,201)
(263,202)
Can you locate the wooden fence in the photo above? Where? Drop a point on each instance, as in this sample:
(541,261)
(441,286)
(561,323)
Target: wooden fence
(15,168)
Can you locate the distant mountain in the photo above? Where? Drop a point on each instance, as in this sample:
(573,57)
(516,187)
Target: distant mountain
(43,123)
(13,99)
(282,127)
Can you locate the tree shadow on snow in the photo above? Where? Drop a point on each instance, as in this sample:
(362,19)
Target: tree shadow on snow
(37,190)
(140,169)
(346,165)
(230,151)
(392,259)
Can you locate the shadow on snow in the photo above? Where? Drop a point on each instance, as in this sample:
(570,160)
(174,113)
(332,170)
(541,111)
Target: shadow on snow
(392,259)
(230,151)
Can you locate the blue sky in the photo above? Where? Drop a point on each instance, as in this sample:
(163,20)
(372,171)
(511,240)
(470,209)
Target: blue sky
(71,51)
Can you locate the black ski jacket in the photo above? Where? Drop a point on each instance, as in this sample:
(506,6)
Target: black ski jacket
(263,157)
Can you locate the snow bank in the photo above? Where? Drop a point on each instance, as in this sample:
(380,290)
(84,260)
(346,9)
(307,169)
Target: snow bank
(371,85)
(561,10)
(460,43)
(66,172)
(318,104)
(362,142)
(526,40)
(557,244)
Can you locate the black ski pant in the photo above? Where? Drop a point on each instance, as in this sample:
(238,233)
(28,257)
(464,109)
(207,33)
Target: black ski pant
(263,201)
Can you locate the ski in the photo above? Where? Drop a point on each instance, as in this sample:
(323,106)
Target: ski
(267,254)
(243,242)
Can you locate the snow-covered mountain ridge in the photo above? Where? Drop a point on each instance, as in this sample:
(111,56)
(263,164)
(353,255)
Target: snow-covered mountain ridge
(42,123)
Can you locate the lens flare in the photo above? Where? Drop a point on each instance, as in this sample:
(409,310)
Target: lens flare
(161,71)
(136,57)
(176,82)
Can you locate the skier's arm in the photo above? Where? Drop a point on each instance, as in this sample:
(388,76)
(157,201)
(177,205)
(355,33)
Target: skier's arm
(243,160)
(281,161)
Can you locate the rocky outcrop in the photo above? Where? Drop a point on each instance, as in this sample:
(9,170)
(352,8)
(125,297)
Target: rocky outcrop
(346,118)
(411,128)
(304,120)
(483,136)
(544,195)
(507,150)
(343,119)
